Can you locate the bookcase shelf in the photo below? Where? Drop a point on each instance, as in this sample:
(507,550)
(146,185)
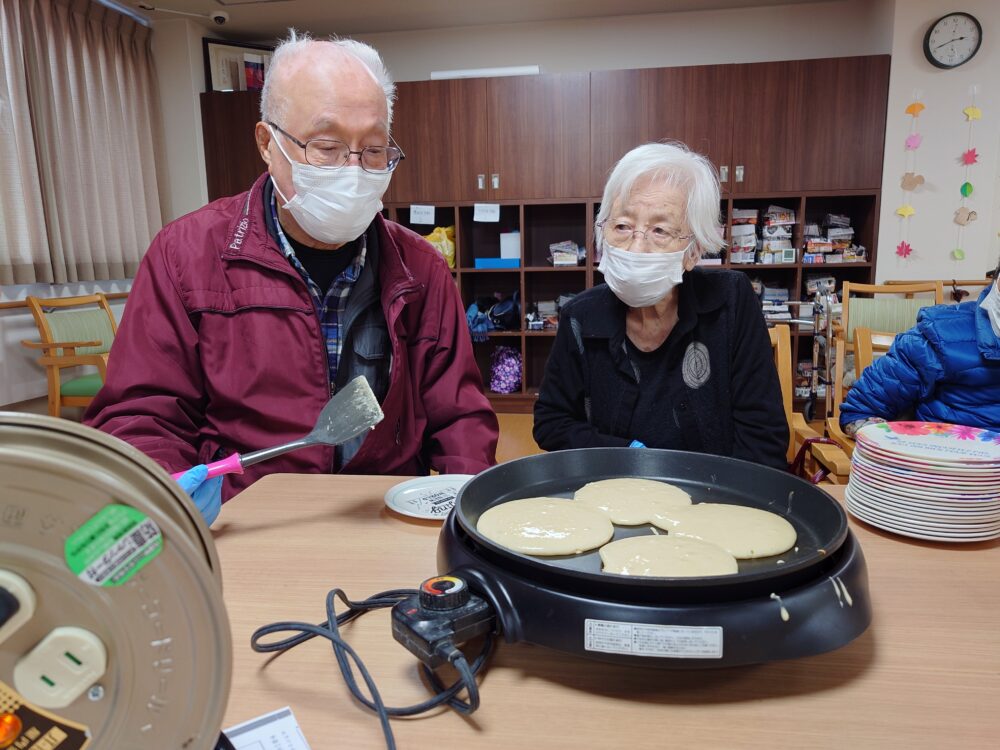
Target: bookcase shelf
(541,223)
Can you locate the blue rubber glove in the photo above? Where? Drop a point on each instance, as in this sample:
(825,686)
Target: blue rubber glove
(636,444)
(206,494)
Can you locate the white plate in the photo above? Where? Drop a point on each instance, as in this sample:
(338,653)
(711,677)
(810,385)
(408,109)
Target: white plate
(934,442)
(426,497)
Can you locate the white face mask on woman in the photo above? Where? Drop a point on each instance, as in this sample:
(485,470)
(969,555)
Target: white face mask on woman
(333,205)
(641,279)
(991,304)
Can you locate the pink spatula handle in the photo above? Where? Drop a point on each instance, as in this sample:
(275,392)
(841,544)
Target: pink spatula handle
(229,465)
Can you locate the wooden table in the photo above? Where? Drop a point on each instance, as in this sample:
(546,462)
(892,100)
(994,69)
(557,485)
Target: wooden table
(926,674)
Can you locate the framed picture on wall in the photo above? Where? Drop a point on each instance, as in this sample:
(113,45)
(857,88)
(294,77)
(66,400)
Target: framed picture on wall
(235,66)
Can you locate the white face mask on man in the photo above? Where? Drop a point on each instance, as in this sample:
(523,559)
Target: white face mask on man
(333,205)
(641,279)
(991,304)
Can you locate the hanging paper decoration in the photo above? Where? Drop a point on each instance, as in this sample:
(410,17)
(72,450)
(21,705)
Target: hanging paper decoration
(970,157)
(963,216)
(911,179)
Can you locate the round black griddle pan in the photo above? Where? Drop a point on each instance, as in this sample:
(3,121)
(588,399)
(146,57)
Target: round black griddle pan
(819,521)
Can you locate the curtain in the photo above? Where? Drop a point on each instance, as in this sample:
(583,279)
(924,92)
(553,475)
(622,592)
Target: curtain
(82,84)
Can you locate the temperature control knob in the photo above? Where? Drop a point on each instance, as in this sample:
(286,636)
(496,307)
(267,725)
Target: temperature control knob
(444,592)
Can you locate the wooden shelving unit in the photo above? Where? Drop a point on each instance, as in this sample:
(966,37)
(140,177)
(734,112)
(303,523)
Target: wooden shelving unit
(806,134)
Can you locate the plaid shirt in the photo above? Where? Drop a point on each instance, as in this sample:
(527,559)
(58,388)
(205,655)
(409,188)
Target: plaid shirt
(330,308)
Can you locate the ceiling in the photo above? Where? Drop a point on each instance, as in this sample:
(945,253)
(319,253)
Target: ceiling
(261,20)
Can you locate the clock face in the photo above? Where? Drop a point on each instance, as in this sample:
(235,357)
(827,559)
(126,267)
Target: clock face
(953,40)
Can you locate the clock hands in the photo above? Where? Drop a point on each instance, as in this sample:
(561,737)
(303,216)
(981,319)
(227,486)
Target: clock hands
(956,39)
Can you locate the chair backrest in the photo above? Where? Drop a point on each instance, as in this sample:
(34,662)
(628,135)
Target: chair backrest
(868,343)
(890,308)
(781,345)
(956,290)
(68,319)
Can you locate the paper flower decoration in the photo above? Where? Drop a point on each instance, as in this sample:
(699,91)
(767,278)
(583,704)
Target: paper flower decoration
(958,253)
(903,249)
(970,157)
(966,189)
(913,141)
(915,108)
(911,181)
(963,216)
(972,113)
(906,211)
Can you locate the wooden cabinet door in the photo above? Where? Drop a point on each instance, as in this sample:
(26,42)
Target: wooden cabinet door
(441,127)
(232,161)
(843,123)
(767,122)
(810,124)
(692,105)
(539,129)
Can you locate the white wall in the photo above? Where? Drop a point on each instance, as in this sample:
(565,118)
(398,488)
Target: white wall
(932,231)
(782,32)
(21,378)
(180,74)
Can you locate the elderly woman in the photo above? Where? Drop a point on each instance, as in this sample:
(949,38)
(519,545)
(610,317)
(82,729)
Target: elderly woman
(663,354)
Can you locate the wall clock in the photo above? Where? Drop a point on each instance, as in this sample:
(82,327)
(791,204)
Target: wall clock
(953,40)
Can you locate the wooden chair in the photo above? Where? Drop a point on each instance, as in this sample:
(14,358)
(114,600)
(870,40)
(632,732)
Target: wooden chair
(957,290)
(868,343)
(798,428)
(75,331)
(887,308)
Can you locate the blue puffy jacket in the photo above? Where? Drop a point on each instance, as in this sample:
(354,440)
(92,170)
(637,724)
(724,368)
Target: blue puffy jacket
(946,368)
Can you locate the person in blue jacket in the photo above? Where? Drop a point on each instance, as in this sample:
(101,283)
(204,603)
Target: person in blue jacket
(944,369)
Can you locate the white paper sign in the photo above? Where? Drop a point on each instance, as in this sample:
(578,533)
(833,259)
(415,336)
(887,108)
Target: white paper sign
(486,212)
(421,214)
(277,730)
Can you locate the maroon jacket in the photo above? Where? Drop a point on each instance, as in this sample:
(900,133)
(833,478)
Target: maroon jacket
(220,348)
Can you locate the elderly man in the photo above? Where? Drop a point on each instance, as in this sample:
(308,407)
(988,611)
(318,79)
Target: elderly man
(248,313)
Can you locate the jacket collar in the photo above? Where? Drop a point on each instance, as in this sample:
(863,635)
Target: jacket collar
(248,239)
(698,296)
(989,344)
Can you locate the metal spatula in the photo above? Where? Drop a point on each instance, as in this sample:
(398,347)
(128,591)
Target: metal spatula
(348,414)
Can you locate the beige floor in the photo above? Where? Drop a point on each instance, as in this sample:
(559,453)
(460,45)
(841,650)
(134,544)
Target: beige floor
(515,437)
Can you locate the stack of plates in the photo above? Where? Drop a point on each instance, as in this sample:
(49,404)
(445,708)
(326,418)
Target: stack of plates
(927,480)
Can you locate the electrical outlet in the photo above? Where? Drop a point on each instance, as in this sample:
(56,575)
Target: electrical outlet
(59,669)
(24,595)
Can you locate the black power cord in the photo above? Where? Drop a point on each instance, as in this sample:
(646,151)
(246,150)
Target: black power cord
(345,655)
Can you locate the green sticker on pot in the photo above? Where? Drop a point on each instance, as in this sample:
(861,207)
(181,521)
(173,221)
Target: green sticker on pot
(966,189)
(958,253)
(114,545)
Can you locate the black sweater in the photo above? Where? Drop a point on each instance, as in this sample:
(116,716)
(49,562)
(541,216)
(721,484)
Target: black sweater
(718,389)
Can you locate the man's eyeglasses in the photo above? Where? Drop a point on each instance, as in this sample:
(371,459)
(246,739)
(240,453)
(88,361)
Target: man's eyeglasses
(620,234)
(327,153)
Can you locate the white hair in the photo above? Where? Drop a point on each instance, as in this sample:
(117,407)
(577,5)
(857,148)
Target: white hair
(673,165)
(272,106)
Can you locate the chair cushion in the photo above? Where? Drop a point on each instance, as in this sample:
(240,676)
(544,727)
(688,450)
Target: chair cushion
(82,325)
(85,385)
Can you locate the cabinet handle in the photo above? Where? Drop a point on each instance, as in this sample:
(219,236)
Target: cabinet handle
(724,173)
(495,179)
(481,181)
(739,173)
